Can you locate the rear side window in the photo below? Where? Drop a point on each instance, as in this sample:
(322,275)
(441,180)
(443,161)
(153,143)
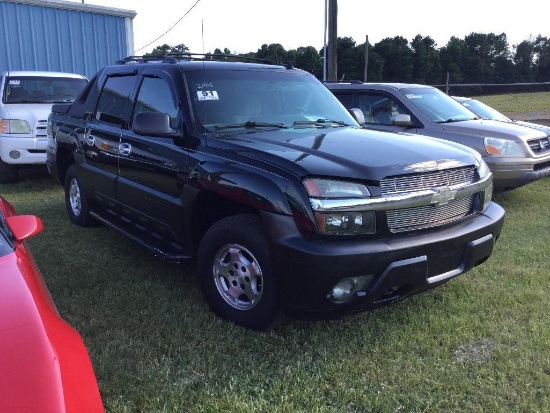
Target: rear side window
(114,104)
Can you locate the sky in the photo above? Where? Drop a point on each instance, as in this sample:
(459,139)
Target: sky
(245,25)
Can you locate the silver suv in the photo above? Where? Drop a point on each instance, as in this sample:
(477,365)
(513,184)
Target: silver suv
(516,155)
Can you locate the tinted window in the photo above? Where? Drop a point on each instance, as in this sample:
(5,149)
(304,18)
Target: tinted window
(114,103)
(286,98)
(6,237)
(345,97)
(155,96)
(42,89)
(379,108)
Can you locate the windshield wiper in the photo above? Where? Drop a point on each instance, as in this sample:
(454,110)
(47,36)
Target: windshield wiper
(250,124)
(452,120)
(320,122)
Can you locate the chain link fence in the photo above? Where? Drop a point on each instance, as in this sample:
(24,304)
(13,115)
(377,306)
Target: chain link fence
(522,101)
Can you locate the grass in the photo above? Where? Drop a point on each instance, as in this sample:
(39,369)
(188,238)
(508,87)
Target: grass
(476,344)
(518,102)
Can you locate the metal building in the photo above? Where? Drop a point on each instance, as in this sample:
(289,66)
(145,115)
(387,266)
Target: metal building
(63,36)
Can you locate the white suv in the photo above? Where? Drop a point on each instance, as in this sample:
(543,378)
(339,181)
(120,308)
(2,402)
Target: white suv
(27,99)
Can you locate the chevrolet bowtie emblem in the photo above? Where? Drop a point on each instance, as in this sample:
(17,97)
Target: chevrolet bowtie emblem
(443,195)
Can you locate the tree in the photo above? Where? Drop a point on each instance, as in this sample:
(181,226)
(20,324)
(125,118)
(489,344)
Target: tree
(482,52)
(350,61)
(542,59)
(166,50)
(307,58)
(274,52)
(398,57)
(478,58)
(426,61)
(452,56)
(524,61)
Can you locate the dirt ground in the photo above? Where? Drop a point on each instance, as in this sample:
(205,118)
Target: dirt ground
(542,117)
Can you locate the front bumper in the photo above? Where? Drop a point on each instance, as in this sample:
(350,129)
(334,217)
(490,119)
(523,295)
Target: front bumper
(511,173)
(23,150)
(306,269)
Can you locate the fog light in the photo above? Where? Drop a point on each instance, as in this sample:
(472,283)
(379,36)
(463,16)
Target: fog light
(15,154)
(348,287)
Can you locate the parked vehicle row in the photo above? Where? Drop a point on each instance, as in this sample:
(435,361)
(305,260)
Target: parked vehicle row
(263,177)
(516,155)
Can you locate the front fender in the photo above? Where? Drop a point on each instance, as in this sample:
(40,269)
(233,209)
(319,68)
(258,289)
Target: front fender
(253,188)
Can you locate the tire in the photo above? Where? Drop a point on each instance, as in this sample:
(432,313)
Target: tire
(9,174)
(78,207)
(235,275)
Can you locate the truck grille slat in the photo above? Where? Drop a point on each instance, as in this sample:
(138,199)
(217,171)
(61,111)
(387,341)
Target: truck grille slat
(429,216)
(409,219)
(40,130)
(540,146)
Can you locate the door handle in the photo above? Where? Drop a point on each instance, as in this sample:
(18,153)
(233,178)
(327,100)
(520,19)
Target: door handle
(90,140)
(124,149)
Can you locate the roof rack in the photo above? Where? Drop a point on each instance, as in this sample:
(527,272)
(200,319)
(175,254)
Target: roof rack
(178,57)
(353,82)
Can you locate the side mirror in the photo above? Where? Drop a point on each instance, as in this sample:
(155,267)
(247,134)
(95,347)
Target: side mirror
(24,226)
(153,123)
(358,115)
(401,120)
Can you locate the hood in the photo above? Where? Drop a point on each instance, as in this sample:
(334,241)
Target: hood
(495,129)
(542,128)
(31,112)
(346,152)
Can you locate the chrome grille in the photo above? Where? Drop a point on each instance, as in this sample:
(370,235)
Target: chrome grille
(429,216)
(427,180)
(40,129)
(540,146)
(415,218)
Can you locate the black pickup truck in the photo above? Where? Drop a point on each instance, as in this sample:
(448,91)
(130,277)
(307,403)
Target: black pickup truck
(260,174)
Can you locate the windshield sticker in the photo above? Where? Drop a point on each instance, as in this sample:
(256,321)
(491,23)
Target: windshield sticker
(15,83)
(204,85)
(207,95)
(411,96)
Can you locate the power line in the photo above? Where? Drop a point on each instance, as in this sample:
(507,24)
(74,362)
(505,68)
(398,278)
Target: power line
(170,29)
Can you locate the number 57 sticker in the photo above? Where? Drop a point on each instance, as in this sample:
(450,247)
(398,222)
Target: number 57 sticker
(207,95)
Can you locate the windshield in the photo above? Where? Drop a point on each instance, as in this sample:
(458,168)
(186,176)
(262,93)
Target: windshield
(42,89)
(6,238)
(437,106)
(255,99)
(484,111)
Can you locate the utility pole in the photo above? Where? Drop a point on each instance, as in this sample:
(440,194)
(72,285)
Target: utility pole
(366,59)
(332,39)
(325,28)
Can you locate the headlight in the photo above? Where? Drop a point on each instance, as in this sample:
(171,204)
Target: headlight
(14,126)
(337,221)
(326,188)
(487,195)
(506,147)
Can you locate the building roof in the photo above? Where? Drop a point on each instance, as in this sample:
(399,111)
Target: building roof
(72,5)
